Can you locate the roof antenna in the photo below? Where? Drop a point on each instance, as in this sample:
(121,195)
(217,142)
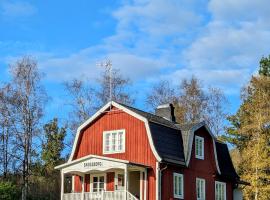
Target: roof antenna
(107,64)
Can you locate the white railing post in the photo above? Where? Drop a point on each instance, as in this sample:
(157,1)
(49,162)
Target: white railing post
(145,184)
(102,194)
(82,193)
(62,185)
(126,181)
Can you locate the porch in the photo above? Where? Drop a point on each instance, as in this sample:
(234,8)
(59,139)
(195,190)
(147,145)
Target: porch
(102,178)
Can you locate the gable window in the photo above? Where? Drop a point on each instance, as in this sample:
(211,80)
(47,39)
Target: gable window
(200,189)
(178,185)
(114,141)
(199,147)
(220,190)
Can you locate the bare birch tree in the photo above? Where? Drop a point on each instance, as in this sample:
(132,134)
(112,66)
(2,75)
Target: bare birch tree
(120,84)
(161,93)
(82,101)
(30,98)
(192,102)
(6,122)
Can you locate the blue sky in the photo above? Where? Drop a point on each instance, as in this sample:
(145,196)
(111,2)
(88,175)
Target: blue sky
(219,41)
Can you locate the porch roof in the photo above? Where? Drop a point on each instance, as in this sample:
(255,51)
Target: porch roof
(96,158)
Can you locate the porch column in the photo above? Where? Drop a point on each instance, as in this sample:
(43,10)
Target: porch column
(145,184)
(126,181)
(141,185)
(82,196)
(62,184)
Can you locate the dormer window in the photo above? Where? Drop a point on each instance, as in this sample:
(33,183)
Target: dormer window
(114,141)
(199,147)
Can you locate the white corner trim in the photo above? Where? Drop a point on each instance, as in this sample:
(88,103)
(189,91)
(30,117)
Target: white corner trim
(99,112)
(191,137)
(215,152)
(157,180)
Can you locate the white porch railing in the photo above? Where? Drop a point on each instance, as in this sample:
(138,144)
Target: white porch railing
(72,196)
(104,195)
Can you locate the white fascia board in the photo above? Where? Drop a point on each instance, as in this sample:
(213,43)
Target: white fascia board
(99,112)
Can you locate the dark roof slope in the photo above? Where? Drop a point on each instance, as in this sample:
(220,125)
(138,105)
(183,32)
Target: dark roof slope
(171,141)
(168,143)
(153,118)
(225,162)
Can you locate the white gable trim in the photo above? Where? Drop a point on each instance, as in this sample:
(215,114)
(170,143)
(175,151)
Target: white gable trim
(191,138)
(99,112)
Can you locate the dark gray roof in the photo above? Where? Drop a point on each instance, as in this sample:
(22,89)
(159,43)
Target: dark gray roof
(168,143)
(153,118)
(171,141)
(225,162)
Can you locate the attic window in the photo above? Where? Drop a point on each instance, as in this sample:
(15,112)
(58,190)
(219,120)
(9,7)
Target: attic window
(199,147)
(114,141)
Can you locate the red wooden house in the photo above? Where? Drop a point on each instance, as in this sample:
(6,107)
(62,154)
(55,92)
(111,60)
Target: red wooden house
(125,153)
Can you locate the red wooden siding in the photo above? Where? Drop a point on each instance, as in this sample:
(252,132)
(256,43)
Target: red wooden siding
(205,169)
(110,181)
(87,183)
(137,147)
(77,184)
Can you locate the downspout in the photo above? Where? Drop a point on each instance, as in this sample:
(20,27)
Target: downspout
(160,180)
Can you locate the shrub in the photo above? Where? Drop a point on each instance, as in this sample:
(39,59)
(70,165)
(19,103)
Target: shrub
(9,191)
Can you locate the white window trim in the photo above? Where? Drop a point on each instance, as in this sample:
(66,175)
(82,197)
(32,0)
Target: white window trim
(203,180)
(115,151)
(95,175)
(182,188)
(225,190)
(202,139)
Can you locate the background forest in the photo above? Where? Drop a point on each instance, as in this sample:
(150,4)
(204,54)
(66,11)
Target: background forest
(31,147)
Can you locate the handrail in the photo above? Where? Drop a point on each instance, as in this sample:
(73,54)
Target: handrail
(103,195)
(130,196)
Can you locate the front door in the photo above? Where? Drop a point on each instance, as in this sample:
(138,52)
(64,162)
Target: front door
(98,183)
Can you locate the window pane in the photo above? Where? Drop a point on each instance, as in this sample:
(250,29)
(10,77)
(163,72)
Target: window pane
(107,142)
(196,146)
(175,184)
(120,180)
(198,188)
(180,185)
(120,141)
(114,141)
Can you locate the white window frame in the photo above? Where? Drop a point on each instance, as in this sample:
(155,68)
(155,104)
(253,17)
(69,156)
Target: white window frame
(198,138)
(198,181)
(110,151)
(178,196)
(98,175)
(217,192)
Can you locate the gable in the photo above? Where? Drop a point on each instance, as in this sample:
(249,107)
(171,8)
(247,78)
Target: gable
(103,111)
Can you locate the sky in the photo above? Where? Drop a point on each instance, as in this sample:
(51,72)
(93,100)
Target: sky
(218,41)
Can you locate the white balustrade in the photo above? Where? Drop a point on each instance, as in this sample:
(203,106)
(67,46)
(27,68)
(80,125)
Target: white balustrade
(103,195)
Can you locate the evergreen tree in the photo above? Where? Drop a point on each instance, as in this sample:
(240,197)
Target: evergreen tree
(53,144)
(265,66)
(250,133)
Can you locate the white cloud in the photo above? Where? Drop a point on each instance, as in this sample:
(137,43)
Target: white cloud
(158,17)
(240,10)
(230,46)
(11,9)
(172,39)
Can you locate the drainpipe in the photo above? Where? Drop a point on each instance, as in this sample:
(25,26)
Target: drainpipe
(160,178)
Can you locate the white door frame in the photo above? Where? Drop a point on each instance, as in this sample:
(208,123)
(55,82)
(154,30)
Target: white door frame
(98,175)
